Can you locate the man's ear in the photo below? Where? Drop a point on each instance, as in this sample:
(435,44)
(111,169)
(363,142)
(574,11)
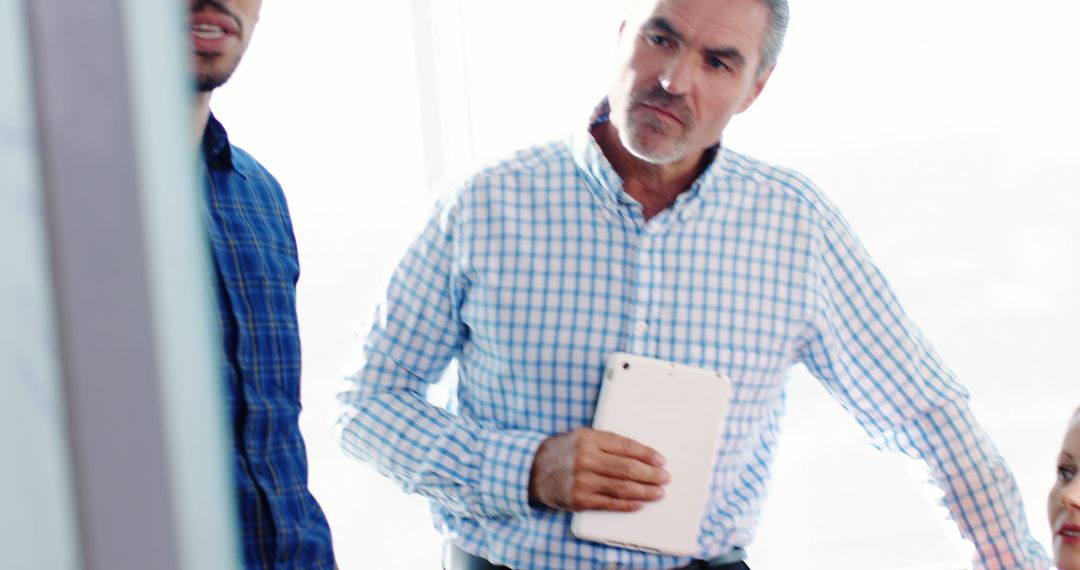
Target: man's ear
(759,85)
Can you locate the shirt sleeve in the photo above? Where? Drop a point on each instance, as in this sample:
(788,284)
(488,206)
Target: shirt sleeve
(472,468)
(878,365)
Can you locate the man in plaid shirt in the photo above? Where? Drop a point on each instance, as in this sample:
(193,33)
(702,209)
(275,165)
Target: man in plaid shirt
(643,234)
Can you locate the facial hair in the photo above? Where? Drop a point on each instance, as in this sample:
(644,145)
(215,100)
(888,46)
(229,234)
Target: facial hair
(206,82)
(672,147)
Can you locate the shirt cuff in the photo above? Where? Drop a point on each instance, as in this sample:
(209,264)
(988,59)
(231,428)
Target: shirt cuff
(505,470)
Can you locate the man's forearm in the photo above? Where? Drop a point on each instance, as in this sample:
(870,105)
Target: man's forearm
(474,470)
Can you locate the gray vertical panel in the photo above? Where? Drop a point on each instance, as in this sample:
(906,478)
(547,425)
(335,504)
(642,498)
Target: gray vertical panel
(182,295)
(100,271)
(37,522)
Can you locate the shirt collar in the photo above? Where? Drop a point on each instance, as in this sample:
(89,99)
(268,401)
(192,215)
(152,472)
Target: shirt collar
(216,149)
(607,184)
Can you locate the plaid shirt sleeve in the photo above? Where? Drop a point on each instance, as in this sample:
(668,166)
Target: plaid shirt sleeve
(878,365)
(472,468)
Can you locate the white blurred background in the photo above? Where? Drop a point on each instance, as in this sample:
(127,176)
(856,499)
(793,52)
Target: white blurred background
(946,131)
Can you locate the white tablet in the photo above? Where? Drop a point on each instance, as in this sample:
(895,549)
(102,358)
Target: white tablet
(679,411)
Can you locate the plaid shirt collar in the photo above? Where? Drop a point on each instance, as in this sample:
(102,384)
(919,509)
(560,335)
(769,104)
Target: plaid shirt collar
(606,184)
(217,149)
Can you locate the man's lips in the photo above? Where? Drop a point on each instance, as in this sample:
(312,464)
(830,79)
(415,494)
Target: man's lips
(663,111)
(215,19)
(210,29)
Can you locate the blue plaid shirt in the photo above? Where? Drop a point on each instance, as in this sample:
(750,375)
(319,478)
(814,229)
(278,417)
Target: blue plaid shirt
(533,271)
(254,254)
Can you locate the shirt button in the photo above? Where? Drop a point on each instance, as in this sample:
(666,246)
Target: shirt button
(641,327)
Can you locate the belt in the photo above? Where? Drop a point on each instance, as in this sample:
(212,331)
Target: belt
(458,559)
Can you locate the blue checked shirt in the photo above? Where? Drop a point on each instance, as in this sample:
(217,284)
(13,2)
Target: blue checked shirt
(535,270)
(254,254)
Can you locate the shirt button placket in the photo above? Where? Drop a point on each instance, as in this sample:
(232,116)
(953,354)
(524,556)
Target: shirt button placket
(641,327)
(645,285)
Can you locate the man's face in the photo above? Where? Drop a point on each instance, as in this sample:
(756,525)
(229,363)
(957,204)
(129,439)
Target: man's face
(686,67)
(1064,501)
(220,33)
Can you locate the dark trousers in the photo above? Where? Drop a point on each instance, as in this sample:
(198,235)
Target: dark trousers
(458,559)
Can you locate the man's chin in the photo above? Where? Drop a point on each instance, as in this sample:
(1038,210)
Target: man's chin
(658,154)
(212,71)
(652,141)
(205,83)
(202,86)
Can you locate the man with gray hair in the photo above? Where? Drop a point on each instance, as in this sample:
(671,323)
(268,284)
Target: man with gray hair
(644,234)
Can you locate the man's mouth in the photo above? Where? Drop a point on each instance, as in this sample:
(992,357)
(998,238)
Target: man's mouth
(659,109)
(213,25)
(212,32)
(208,31)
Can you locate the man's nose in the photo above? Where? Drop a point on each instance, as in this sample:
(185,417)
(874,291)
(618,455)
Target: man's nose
(679,75)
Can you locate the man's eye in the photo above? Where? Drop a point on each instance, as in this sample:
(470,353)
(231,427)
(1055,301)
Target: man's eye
(717,63)
(1066,473)
(659,40)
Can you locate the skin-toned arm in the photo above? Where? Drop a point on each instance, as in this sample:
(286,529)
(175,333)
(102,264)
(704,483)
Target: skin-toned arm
(587,469)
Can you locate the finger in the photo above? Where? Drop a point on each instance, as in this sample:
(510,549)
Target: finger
(591,484)
(623,446)
(586,498)
(618,467)
(604,503)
